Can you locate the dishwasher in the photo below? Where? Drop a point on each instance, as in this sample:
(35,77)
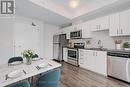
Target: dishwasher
(118,65)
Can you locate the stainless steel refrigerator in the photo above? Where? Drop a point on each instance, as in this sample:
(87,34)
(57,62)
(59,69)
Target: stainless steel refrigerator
(59,41)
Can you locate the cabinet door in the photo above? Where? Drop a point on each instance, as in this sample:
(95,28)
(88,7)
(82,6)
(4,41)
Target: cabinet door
(125,23)
(65,54)
(101,62)
(68,30)
(82,58)
(114,25)
(86,30)
(90,64)
(104,23)
(95,25)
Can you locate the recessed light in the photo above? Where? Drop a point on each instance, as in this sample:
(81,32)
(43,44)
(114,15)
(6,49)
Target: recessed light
(73,3)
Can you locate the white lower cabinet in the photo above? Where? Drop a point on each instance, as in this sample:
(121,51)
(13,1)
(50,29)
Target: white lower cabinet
(82,58)
(93,60)
(65,52)
(101,62)
(90,62)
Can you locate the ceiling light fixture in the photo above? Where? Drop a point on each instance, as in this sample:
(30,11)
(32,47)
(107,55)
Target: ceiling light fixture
(73,3)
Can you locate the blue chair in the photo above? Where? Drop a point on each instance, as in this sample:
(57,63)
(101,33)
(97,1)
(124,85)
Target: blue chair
(35,56)
(15,59)
(50,79)
(20,84)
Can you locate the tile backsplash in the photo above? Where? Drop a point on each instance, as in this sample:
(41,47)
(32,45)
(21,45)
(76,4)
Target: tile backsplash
(106,40)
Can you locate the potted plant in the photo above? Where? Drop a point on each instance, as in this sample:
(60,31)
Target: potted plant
(126,46)
(28,54)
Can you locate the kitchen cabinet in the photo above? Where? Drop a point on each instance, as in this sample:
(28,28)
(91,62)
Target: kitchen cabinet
(92,60)
(100,23)
(101,62)
(114,24)
(68,30)
(119,24)
(125,23)
(77,27)
(82,58)
(65,52)
(61,31)
(86,30)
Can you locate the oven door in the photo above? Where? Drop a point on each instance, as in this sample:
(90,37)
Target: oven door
(72,54)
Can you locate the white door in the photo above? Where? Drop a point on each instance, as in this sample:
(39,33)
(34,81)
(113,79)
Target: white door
(114,24)
(125,22)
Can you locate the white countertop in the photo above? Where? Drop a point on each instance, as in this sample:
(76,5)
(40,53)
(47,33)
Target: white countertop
(31,70)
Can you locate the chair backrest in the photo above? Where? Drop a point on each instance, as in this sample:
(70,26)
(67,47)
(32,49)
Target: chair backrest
(50,79)
(35,56)
(15,59)
(20,84)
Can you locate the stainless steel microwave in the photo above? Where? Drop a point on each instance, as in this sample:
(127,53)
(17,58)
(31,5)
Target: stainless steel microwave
(76,34)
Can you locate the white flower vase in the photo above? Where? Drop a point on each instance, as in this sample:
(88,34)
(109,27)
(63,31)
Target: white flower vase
(28,61)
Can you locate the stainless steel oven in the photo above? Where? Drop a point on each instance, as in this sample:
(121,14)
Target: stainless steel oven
(73,56)
(76,34)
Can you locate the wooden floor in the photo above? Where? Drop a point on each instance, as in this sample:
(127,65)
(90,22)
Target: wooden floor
(77,77)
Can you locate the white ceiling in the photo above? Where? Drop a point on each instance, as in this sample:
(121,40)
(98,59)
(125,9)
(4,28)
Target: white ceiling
(62,6)
(58,11)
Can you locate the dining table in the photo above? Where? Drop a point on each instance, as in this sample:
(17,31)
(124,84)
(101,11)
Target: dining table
(28,70)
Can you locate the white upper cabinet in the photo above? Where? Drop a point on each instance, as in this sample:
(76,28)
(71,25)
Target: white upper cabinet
(100,23)
(125,23)
(77,27)
(119,24)
(114,25)
(68,30)
(86,30)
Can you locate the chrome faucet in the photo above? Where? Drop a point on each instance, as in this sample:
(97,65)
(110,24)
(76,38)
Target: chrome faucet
(100,44)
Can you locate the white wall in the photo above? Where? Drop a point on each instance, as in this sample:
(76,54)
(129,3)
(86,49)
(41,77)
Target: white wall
(27,36)
(18,34)
(38,38)
(6,39)
(49,31)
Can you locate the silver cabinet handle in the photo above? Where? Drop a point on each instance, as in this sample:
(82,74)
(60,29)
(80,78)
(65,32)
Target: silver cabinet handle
(117,32)
(96,53)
